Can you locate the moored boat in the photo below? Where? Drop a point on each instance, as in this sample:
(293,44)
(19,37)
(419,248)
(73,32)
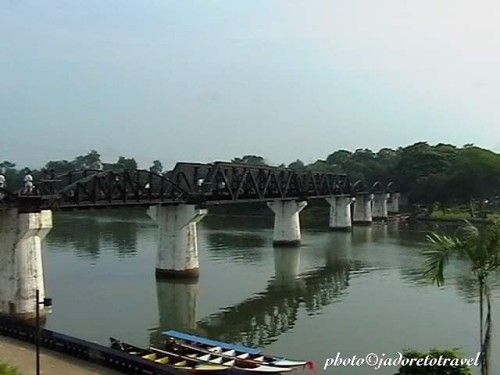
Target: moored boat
(170,359)
(238,353)
(195,362)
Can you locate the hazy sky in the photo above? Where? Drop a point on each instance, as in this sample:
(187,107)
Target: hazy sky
(209,80)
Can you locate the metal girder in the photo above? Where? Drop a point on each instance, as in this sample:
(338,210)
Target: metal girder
(124,186)
(194,183)
(240,182)
(97,189)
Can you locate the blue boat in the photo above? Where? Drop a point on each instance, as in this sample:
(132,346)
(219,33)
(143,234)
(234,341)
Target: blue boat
(228,351)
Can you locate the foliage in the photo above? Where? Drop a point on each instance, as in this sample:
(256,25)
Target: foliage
(298,166)
(250,159)
(481,247)
(440,176)
(157,167)
(6,369)
(448,369)
(90,161)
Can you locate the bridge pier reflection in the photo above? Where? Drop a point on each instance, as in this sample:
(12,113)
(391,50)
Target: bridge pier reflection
(177,303)
(177,306)
(286,267)
(21,266)
(338,247)
(177,239)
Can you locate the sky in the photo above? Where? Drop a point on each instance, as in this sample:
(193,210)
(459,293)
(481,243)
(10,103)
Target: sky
(211,80)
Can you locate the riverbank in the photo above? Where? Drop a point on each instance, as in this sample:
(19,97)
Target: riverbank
(452,220)
(22,355)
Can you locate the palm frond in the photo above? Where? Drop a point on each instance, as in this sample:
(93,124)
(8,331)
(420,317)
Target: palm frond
(437,255)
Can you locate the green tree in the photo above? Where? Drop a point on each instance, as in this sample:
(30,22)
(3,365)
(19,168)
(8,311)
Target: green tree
(339,158)
(320,166)
(7,165)
(90,161)
(475,176)
(420,161)
(60,166)
(297,165)
(121,163)
(157,167)
(481,247)
(14,178)
(126,163)
(250,159)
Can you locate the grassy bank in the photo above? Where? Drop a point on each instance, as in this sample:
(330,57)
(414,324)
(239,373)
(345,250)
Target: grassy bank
(461,212)
(6,369)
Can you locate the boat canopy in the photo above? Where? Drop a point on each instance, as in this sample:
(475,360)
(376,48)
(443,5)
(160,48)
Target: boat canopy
(205,341)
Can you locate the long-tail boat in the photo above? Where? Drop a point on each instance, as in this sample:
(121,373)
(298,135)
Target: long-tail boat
(195,362)
(170,359)
(228,351)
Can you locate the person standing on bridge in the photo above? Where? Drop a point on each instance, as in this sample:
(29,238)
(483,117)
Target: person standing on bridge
(28,183)
(3,184)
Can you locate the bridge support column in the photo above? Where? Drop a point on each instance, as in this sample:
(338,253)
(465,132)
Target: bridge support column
(394,203)
(363,209)
(340,212)
(21,267)
(286,222)
(380,206)
(177,239)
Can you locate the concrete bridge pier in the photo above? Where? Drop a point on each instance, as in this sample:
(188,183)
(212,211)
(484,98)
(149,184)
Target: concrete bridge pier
(380,206)
(393,207)
(363,209)
(340,212)
(286,222)
(177,239)
(21,267)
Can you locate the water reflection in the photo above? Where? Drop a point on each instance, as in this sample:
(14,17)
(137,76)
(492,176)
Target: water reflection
(217,219)
(339,246)
(89,233)
(237,246)
(259,320)
(286,266)
(362,234)
(177,306)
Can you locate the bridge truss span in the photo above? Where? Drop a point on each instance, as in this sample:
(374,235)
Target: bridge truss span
(222,182)
(188,183)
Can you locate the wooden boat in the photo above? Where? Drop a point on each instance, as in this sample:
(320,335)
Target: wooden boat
(184,359)
(170,359)
(238,353)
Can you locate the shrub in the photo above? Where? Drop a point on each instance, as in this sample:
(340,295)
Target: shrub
(6,369)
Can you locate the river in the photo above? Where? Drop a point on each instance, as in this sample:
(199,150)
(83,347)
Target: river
(349,293)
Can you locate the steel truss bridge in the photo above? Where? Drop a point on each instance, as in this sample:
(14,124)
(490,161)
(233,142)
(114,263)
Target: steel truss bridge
(190,183)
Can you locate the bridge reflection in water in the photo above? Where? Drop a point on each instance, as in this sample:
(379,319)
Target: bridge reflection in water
(262,318)
(90,233)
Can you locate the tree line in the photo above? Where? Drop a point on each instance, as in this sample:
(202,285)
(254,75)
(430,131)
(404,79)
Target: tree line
(443,174)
